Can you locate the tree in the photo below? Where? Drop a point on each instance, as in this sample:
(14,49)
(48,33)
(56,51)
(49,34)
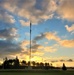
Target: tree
(33,63)
(16,62)
(10,63)
(64,67)
(41,65)
(47,66)
(28,63)
(5,63)
(23,62)
(37,64)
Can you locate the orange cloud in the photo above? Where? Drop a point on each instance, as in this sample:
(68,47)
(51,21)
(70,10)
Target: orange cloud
(23,23)
(25,43)
(48,35)
(52,36)
(50,49)
(67,43)
(66,10)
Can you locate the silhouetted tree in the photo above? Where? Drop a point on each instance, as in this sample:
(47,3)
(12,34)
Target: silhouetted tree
(47,66)
(28,63)
(5,63)
(33,63)
(10,63)
(37,64)
(41,65)
(23,62)
(16,62)
(64,67)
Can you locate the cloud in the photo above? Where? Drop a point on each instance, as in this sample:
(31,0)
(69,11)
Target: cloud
(70,29)
(65,10)
(34,10)
(23,23)
(39,37)
(25,43)
(11,49)
(67,43)
(8,48)
(37,47)
(38,14)
(9,33)
(50,49)
(48,35)
(72,33)
(69,60)
(62,60)
(38,53)
(21,56)
(36,58)
(37,11)
(4,16)
(54,61)
(52,36)
(8,43)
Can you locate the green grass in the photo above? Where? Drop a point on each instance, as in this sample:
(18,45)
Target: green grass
(50,72)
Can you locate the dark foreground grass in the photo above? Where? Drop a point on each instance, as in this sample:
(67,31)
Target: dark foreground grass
(36,72)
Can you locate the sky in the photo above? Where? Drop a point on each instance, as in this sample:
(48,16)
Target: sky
(52,25)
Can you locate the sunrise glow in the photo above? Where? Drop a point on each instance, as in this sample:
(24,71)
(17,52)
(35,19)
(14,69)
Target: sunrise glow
(52,36)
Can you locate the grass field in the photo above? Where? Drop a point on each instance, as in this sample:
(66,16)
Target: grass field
(50,72)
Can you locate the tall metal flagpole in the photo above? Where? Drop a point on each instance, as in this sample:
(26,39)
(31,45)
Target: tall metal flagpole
(30,43)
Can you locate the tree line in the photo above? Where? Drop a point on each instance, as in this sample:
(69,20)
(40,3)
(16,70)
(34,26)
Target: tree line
(16,64)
